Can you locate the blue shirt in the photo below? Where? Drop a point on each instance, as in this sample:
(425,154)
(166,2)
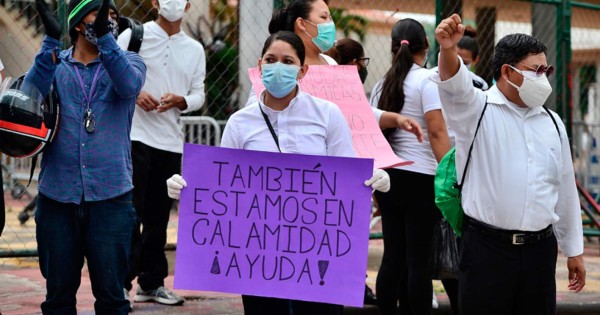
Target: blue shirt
(80,165)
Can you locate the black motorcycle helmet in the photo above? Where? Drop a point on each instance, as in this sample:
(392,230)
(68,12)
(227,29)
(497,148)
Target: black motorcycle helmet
(28,121)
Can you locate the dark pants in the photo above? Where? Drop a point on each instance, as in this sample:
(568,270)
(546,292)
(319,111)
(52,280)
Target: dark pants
(151,169)
(408,214)
(98,231)
(497,277)
(255,305)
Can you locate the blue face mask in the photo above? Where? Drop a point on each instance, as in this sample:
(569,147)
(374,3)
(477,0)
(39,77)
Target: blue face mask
(279,79)
(325,35)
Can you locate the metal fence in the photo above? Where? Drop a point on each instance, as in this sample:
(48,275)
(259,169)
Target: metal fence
(233,31)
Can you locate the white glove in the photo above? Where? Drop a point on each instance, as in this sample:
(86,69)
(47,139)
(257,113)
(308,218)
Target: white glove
(174,186)
(380,180)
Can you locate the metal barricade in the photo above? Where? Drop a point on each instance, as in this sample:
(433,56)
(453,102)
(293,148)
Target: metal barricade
(201,130)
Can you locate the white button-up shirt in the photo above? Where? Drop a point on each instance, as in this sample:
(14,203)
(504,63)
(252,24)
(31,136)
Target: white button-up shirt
(309,125)
(520,176)
(176,64)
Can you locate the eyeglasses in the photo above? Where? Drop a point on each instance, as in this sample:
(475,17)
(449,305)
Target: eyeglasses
(541,69)
(365,60)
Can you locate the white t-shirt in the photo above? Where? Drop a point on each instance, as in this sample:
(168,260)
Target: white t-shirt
(521,174)
(309,125)
(420,96)
(177,65)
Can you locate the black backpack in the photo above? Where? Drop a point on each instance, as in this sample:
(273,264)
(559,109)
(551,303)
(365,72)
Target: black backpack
(137,32)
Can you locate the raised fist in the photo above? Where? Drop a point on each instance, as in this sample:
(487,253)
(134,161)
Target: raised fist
(450,31)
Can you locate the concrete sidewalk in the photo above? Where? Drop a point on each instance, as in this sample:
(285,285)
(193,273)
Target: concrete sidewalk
(22,288)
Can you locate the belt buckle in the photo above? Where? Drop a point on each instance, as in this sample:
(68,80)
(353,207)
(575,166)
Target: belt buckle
(518,239)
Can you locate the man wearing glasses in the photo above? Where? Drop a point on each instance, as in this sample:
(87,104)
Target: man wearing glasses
(519,195)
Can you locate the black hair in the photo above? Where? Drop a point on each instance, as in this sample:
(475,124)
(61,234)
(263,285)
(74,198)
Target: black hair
(284,19)
(345,51)
(408,39)
(513,48)
(468,42)
(290,38)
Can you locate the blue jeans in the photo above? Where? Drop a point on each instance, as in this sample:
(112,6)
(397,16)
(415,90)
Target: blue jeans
(98,231)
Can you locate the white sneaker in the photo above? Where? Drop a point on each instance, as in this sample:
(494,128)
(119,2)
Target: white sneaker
(161,295)
(434,302)
(126,293)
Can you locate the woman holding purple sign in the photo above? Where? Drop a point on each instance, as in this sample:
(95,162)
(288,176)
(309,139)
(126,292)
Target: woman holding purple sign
(285,119)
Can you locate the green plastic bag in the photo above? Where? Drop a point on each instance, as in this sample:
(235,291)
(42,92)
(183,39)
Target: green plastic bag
(447,192)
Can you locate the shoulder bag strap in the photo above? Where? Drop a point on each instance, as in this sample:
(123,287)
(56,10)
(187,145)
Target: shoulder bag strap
(275,138)
(471,148)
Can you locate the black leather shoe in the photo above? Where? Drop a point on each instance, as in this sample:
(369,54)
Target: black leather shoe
(370,298)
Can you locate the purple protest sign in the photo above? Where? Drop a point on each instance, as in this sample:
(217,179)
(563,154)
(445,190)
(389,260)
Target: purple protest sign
(270,224)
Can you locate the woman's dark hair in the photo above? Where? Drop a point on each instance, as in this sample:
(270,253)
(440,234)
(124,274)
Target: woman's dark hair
(290,38)
(513,48)
(408,39)
(284,19)
(345,50)
(468,42)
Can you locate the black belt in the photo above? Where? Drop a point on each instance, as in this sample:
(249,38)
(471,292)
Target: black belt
(510,236)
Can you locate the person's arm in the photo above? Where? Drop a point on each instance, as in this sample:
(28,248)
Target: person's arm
(339,138)
(395,120)
(448,34)
(195,99)
(569,229)
(42,71)
(438,133)
(126,69)
(230,138)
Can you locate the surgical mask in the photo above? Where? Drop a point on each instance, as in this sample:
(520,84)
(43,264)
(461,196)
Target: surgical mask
(363,72)
(279,79)
(534,90)
(325,35)
(90,33)
(172,10)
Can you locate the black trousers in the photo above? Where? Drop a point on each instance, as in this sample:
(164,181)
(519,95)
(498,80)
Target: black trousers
(497,277)
(408,214)
(256,305)
(151,169)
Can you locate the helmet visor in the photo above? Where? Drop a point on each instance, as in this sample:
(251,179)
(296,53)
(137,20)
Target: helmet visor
(22,104)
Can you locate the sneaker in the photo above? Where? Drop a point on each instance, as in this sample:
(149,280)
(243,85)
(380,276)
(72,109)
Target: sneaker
(434,302)
(126,293)
(161,295)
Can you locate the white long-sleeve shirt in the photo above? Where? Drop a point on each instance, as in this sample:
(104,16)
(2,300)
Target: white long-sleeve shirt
(176,64)
(309,125)
(521,174)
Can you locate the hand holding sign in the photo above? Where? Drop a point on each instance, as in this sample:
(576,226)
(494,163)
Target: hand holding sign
(270,224)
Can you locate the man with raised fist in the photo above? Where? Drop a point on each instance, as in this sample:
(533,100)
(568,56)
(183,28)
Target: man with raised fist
(519,195)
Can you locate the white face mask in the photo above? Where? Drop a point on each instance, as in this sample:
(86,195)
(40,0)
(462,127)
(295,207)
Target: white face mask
(172,10)
(534,90)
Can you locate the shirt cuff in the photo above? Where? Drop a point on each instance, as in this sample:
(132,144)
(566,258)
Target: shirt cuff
(107,43)
(50,43)
(193,103)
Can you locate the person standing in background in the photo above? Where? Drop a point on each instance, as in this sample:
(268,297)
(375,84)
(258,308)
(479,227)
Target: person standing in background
(84,210)
(174,85)
(408,210)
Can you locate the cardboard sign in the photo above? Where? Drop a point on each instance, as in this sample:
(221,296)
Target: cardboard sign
(277,225)
(342,86)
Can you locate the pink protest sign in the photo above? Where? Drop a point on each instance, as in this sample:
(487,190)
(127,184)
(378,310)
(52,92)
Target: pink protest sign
(276,225)
(342,85)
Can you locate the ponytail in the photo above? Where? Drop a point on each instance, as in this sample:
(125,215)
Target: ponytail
(408,39)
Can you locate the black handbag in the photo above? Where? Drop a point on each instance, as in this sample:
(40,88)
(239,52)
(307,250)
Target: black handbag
(444,252)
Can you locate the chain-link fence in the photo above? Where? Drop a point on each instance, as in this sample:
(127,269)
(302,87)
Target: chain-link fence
(233,32)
